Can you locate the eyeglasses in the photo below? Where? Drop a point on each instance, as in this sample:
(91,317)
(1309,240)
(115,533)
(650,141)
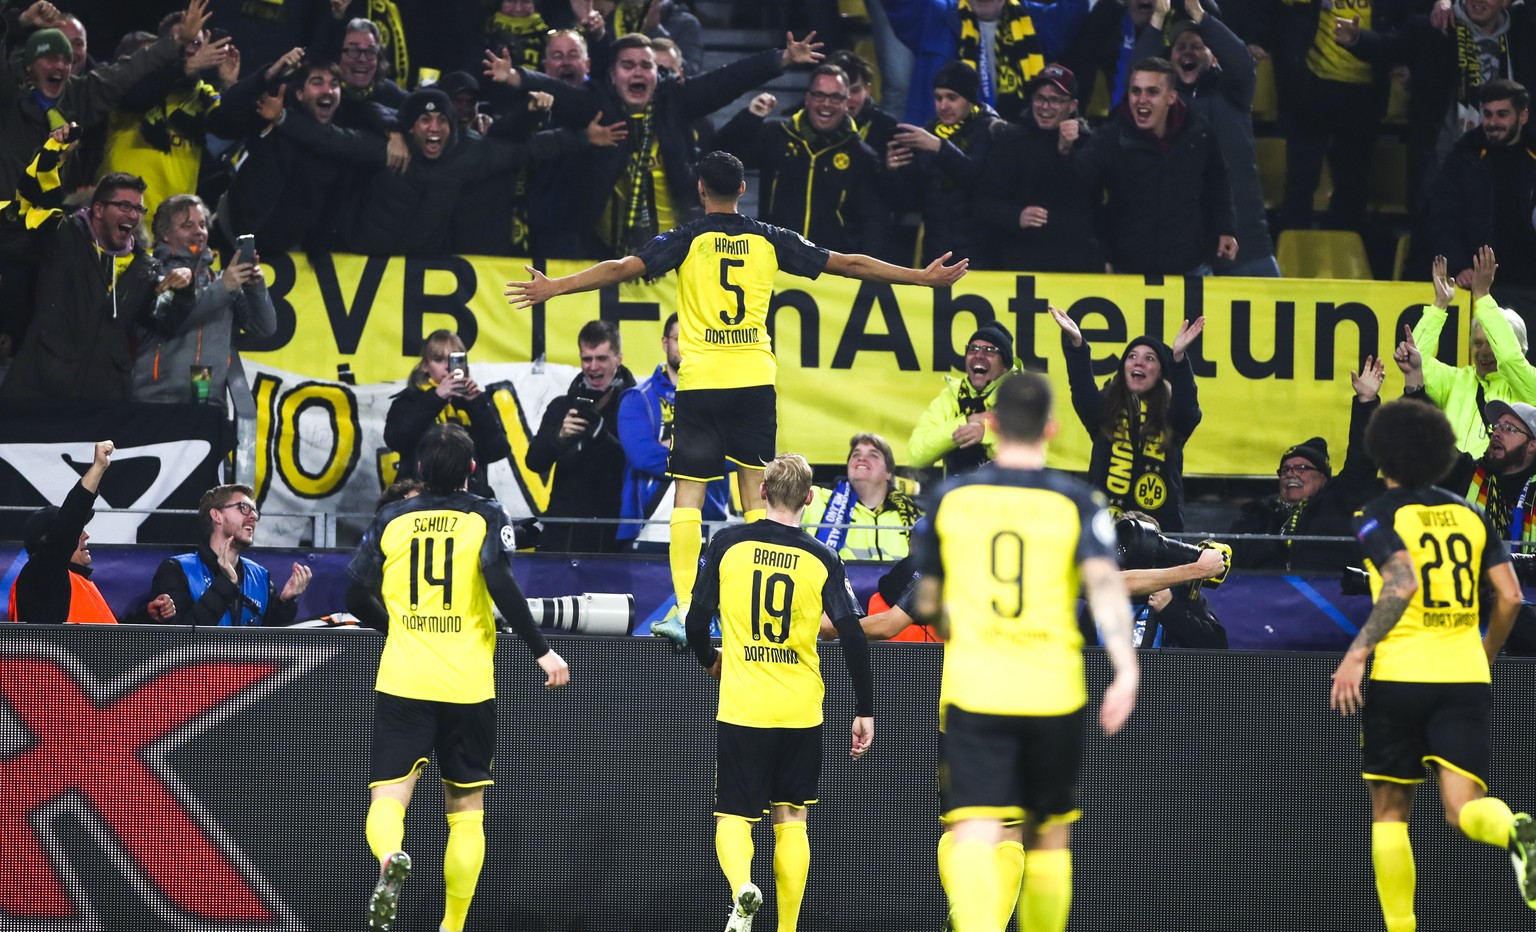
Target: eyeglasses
(983,349)
(357,51)
(1499,427)
(1051,101)
(246,508)
(127,207)
(822,96)
(1299,469)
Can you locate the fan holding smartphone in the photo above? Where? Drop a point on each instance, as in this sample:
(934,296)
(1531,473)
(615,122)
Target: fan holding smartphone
(442,389)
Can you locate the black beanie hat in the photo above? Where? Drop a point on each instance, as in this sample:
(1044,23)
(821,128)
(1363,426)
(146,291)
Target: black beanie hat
(1314,451)
(426,100)
(1163,350)
(35,534)
(960,78)
(995,333)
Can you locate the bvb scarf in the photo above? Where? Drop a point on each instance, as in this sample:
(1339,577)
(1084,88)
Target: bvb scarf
(386,15)
(1017,56)
(179,117)
(1138,466)
(522,36)
(1469,63)
(1484,493)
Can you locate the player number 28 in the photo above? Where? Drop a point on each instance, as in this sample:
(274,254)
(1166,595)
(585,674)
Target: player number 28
(1463,579)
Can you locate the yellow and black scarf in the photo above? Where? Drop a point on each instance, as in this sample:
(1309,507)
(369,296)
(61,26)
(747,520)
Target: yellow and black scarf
(1484,493)
(1138,477)
(522,36)
(386,15)
(178,117)
(1469,64)
(1016,58)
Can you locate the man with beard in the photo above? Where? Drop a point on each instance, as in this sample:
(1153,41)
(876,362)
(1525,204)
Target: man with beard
(1452,55)
(95,284)
(1169,208)
(1483,195)
(1215,76)
(579,437)
(1312,501)
(819,177)
(1029,197)
(1499,369)
(217,584)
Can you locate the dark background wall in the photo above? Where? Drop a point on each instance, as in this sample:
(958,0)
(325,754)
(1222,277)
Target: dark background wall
(1231,801)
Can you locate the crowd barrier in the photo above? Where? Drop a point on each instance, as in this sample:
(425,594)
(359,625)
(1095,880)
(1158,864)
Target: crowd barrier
(210,779)
(1260,612)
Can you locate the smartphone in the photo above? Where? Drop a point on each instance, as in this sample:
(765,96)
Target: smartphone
(245,249)
(458,364)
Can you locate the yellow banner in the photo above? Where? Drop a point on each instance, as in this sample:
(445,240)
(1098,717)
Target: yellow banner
(1272,366)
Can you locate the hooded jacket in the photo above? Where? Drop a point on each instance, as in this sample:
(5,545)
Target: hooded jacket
(1223,97)
(90,304)
(932,438)
(1184,415)
(1024,169)
(823,186)
(411,213)
(589,469)
(1168,199)
(1456,389)
(1466,197)
(162,369)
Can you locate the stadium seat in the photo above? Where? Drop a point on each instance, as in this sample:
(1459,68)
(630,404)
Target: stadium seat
(1266,102)
(1322,254)
(1098,104)
(1389,178)
(1400,257)
(1397,102)
(1269,153)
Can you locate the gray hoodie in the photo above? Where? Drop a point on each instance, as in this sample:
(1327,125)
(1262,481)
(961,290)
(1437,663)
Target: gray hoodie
(162,368)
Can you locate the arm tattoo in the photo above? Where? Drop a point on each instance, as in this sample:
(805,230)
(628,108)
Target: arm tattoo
(1397,590)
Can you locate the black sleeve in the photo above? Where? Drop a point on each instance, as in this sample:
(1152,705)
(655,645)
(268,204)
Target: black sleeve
(798,255)
(1358,477)
(839,602)
(364,602)
(545,447)
(1378,539)
(489,434)
(279,613)
(216,601)
(665,253)
(410,414)
(509,599)
(706,602)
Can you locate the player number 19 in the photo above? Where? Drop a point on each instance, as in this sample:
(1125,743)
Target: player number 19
(773,597)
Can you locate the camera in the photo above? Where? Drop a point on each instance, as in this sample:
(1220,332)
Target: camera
(1354,581)
(585,402)
(458,364)
(245,249)
(609,613)
(1142,546)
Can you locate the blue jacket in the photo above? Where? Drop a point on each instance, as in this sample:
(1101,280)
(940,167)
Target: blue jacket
(645,425)
(931,29)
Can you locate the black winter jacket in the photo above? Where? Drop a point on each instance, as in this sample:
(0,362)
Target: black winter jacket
(1024,169)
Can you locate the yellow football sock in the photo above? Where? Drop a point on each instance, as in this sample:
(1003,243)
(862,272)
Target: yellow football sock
(462,860)
(733,849)
(683,553)
(946,848)
(791,866)
(1487,820)
(973,886)
(1392,855)
(754,514)
(385,827)
(1009,856)
(1046,898)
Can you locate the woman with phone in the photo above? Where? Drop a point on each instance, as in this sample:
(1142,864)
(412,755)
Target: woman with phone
(439,391)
